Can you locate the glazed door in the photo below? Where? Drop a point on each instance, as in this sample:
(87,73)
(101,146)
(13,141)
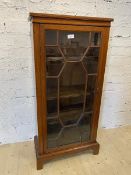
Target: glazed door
(72,59)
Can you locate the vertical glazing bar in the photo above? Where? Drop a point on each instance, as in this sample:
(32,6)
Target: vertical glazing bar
(89,38)
(85,91)
(86,72)
(58,82)
(58,97)
(57,38)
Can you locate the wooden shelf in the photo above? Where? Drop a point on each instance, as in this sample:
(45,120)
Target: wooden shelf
(66,114)
(74,91)
(66,92)
(69,59)
(54,59)
(68,47)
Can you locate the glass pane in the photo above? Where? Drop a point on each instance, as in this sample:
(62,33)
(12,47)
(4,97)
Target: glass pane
(85,126)
(51,37)
(69,135)
(72,83)
(54,61)
(71,70)
(70,117)
(90,93)
(75,133)
(95,39)
(53,130)
(91,83)
(73,44)
(91,60)
(51,91)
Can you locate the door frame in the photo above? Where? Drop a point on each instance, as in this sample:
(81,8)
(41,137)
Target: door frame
(42,130)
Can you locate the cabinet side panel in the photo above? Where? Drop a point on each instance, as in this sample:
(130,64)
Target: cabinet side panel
(36,37)
(43,86)
(99,85)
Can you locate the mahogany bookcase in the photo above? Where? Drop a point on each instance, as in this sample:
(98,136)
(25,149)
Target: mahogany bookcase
(70,56)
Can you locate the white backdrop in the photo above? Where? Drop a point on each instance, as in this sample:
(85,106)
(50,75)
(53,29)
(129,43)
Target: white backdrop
(17,84)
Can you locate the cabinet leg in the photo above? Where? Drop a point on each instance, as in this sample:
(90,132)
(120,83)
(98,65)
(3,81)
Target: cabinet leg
(39,164)
(96,149)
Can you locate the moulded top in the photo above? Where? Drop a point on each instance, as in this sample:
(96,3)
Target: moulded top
(85,18)
(70,20)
